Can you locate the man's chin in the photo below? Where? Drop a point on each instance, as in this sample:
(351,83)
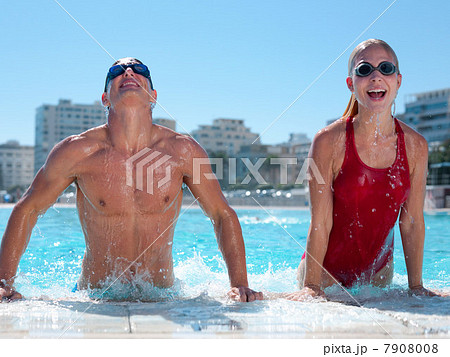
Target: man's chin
(133,98)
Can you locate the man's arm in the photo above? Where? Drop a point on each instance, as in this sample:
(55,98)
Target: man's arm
(226,224)
(48,184)
(412,225)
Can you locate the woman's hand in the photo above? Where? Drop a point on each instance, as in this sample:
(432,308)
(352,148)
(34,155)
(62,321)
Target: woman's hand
(421,291)
(8,294)
(305,294)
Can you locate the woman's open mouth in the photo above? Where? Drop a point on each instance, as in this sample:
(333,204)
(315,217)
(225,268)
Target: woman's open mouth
(376,93)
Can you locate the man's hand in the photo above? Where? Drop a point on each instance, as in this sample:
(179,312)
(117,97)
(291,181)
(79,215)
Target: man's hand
(244,294)
(307,293)
(8,294)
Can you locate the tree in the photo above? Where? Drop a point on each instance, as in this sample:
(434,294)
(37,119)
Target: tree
(440,153)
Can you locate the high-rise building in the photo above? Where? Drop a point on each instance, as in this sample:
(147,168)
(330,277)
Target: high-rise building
(225,135)
(56,122)
(429,114)
(16,165)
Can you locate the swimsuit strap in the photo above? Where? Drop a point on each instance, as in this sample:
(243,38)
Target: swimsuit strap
(349,135)
(349,140)
(401,150)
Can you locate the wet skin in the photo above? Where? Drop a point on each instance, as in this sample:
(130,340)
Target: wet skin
(375,141)
(124,225)
(119,222)
(128,231)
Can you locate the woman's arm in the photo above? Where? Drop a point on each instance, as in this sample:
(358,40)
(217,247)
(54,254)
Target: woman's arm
(412,225)
(321,200)
(322,153)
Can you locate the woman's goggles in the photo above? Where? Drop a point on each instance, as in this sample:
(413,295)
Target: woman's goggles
(119,69)
(364,69)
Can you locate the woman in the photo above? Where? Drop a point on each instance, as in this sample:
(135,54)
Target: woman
(374,168)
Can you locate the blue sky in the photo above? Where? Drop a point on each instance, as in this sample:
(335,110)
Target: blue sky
(213,59)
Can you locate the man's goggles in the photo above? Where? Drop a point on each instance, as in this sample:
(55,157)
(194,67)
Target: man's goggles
(364,69)
(119,69)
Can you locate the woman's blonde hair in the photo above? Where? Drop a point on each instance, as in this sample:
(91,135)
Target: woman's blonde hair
(352,106)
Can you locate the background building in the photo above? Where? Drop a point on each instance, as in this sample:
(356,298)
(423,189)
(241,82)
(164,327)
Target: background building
(298,138)
(429,114)
(270,173)
(16,165)
(299,145)
(293,153)
(56,122)
(225,135)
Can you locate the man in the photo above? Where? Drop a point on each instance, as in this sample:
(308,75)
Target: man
(127,230)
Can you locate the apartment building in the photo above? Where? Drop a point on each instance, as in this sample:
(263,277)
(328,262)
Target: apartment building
(56,122)
(429,114)
(225,135)
(16,165)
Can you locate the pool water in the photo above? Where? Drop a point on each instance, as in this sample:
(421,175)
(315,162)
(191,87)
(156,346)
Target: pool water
(274,240)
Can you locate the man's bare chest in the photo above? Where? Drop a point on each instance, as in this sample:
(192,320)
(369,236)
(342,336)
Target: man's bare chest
(146,183)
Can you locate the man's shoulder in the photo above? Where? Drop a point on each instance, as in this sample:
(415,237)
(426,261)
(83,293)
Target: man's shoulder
(183,144)
(81,145)
(69,153)
(190,147)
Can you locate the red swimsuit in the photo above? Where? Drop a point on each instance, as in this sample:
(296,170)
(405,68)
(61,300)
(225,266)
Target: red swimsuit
(366,205)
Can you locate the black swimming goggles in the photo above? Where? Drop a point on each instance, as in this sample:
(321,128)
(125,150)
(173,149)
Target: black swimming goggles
(364,69)
(119,69)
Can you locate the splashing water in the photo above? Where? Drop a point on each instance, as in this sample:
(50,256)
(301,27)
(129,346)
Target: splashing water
(52,263)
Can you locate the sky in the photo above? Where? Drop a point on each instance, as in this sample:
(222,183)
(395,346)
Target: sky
(248,60)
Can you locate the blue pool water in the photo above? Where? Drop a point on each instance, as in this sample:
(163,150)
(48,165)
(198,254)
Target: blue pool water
(51,265)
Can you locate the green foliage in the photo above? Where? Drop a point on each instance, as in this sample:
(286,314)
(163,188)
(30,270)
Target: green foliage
(13,189)
(440,154)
